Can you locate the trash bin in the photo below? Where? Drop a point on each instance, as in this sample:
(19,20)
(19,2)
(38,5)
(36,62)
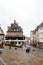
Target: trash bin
(27,50)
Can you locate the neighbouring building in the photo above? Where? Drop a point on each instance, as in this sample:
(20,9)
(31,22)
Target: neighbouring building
(40,31)
(37,37)
(15,32)
(1,34)
(27,40)
(1,38)
(32,38)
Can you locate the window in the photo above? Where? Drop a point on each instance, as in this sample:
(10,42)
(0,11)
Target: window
(17,29)
(11,29)
(14,29)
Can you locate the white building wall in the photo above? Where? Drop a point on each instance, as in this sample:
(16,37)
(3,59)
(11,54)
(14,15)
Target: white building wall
(41,34)
(31,37)
(37,35)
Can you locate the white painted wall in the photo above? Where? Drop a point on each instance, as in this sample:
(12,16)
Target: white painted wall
(41,34)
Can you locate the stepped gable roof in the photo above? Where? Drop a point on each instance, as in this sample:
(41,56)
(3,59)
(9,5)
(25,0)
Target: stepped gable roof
(15,26)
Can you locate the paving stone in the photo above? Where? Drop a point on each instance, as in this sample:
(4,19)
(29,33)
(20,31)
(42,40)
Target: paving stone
(20,57)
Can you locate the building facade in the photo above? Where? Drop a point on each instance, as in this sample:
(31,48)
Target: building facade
(1,34)
(15,32)
(38,38)
(32,38)
(40,29)
(27,40)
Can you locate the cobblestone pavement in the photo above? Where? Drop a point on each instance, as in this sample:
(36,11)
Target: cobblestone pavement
(20,57)
(1,63)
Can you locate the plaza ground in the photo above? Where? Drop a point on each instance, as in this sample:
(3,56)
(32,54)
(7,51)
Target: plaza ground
(20,57)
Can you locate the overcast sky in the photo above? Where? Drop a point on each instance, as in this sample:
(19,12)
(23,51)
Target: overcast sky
(27,13)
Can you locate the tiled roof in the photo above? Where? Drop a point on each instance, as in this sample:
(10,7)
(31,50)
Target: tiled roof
(15,26)
(40,25)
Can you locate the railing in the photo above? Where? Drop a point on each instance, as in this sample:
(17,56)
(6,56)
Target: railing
(15,40)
